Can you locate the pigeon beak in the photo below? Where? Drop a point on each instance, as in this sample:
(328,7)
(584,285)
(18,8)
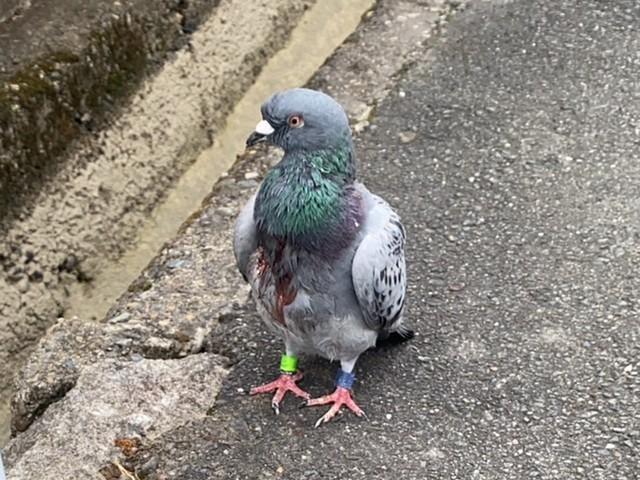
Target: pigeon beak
(263,130)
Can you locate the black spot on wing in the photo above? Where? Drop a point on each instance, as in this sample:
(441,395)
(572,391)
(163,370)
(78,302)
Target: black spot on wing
(383,300)
(399,229)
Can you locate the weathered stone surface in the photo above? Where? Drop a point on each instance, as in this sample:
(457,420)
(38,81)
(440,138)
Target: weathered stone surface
(63,65)
(72,345)
(113,406)
(12,8)
(168,312)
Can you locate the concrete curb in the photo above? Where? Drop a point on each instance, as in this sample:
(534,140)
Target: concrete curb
(78,68)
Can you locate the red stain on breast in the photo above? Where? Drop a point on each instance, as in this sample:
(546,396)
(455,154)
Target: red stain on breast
(285,293)
(262,265)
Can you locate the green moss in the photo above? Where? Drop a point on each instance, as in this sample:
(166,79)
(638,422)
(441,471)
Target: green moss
(35,123)
(41,105)
(125,49)
(33,80)
(140,285)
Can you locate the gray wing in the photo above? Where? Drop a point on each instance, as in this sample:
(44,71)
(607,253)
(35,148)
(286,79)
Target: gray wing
(244,238)
(378,270)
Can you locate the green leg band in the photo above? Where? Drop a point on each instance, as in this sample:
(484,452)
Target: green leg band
(288,364)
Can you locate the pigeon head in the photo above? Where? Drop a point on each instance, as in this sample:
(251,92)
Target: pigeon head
(306,197)
(302,120)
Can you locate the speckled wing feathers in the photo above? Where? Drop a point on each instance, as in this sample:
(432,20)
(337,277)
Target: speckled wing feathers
(245,240)
(378,270)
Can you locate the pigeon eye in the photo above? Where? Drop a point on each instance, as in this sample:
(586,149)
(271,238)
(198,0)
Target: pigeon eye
(295,121)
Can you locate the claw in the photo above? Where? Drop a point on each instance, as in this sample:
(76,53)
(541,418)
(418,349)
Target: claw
(283,384)
(340,397)
(320,421)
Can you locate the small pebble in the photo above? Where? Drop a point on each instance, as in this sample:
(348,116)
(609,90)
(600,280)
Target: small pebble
(406,137)
(456,287)
(23,285)
(123,317)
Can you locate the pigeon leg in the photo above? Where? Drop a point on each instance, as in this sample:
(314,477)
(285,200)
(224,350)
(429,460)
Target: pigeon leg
(286,382)
(341,396)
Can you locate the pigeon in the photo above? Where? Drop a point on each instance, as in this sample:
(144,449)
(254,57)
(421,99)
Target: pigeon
(323,255)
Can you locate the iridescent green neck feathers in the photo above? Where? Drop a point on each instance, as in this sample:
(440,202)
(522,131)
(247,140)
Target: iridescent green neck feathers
(305,195)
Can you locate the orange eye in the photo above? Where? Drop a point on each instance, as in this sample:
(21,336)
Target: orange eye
(295,121)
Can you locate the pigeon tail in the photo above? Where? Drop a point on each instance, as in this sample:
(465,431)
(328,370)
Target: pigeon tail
(391,339)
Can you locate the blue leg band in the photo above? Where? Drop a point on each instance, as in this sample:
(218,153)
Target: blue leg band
(345,380)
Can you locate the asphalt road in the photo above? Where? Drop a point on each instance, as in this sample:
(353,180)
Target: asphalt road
(511,152)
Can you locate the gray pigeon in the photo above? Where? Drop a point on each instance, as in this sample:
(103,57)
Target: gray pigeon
(323,255)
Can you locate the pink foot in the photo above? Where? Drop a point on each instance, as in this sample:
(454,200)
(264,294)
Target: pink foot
(340,397)
(285,383)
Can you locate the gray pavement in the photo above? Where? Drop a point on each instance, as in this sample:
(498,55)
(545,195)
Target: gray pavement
(519,191)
